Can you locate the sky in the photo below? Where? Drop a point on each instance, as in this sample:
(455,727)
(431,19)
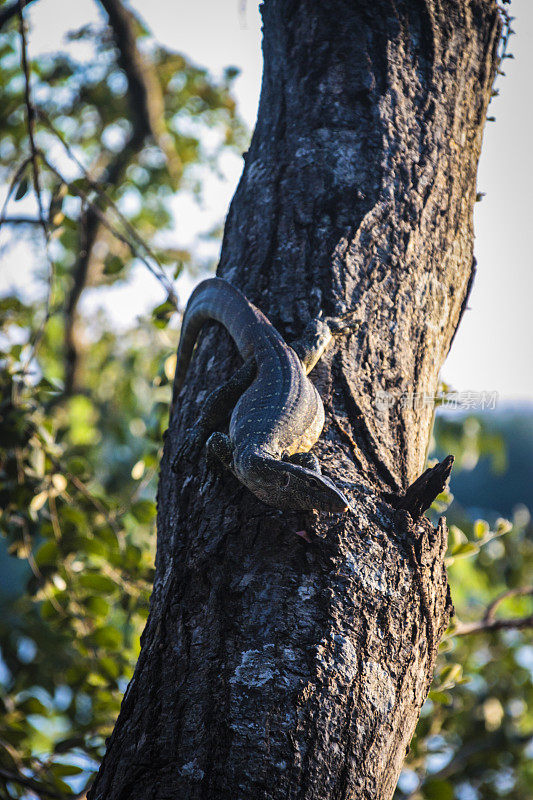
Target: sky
(492,349)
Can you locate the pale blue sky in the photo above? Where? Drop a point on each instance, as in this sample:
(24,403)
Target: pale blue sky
(492,350)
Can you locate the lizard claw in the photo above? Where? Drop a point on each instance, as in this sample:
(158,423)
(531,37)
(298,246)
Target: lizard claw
(345,323)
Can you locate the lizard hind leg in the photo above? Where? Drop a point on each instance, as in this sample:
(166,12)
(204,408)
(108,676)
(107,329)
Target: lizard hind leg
(215,411)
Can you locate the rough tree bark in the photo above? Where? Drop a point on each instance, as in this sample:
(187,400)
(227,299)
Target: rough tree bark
(272,667)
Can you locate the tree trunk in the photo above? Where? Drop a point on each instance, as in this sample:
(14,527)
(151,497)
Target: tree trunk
(272,667)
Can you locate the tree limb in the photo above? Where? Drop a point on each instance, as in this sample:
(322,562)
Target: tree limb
(489,623)
(35,786)
(21,221)
(497,741)
(146,103)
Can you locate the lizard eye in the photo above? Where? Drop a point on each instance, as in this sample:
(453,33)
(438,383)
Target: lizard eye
(313,482)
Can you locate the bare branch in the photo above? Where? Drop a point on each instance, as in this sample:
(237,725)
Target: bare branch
(22,221)
(38,788)
(14,180)
(468,752)
(489,623)
(103,195)
(146,103)
(30,115)
(101,217)
(520,591)
(34,153)
(34,786)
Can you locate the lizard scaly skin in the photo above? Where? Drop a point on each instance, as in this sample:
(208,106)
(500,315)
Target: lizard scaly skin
(277,413)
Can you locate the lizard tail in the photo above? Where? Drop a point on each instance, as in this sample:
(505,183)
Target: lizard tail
(216,299)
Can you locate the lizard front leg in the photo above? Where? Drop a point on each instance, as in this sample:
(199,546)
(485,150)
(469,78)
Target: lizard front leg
(317,335)
(215,412)
(307,460)
(219,450)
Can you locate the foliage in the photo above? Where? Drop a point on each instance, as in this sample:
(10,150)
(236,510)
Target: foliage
(77,470)
(474,740)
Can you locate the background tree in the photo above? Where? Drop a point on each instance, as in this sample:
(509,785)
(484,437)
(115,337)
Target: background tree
(76,472)
(115,135)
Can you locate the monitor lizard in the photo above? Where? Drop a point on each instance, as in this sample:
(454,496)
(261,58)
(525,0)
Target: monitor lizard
(276,414)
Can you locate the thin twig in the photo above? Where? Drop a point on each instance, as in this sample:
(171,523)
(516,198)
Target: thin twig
(34,786)
(513,623)
(520,591)
(14,181)
(161,277)
(489,622)
(467,752)
(8,12)
(21,221)
(101,192)
(95,502)
(30,114)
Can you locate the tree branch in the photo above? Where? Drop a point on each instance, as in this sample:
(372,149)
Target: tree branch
(21,221)
(35,786)
(496,742)
(489,623)
(146,103)
(30,115)
(422,492)
(132,245)
(34,153)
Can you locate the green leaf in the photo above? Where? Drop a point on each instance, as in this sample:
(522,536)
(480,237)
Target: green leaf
(144,511)
(37,503)
(442,698)
(113,265)
(97,606)
(107,637)
(32,705)
(503,526)
(457,537)
(436,789)
(63,745)
(449,676)
(97,583)
(465,550)
(47,554)
(62,770)
(481,528)
(162,313)
(109,667)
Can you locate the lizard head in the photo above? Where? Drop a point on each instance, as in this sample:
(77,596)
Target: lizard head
(291,486)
